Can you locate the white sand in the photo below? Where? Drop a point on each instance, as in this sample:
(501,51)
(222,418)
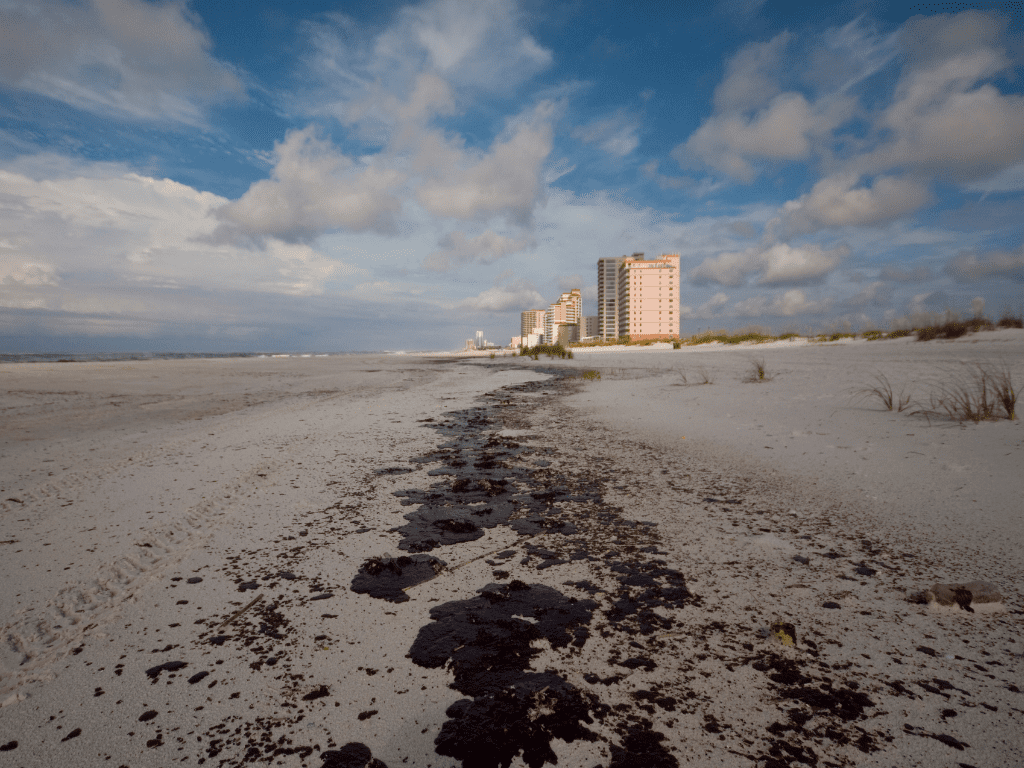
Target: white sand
(219,466)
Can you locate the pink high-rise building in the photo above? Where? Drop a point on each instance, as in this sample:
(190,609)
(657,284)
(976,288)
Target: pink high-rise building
(648,297)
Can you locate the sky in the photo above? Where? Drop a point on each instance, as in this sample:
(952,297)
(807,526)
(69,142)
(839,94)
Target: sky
(321,176)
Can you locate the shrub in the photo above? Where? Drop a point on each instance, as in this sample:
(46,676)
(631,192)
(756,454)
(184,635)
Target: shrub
(873,335)
(1009,320)
(899,333)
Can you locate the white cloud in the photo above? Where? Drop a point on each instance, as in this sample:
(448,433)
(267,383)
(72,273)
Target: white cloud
(486,248)
(788,304)
(516,297)
(789,265)
(945,120)
(313,189)
(506,181)
(21,270)
(752,76)
(133,235)
(616,134)
(149,61)
(426,60)
(778,264)
(835,202)
(991,265)
(786,129)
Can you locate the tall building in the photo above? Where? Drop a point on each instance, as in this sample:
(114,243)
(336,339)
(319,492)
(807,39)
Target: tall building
(530,321)
(590,327)
(566,311)
(608,295)
(479,339)
(649,297)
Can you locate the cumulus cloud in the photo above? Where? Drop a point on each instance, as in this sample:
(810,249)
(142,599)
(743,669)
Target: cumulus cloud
(505,181)
(127,58)
(778,264)
(511,298)
(134,233)
(755,119)
(752,76)
(458,248)
(314,189)
(786,129)
(991,265)
(788,304)
(836,202)
(616,134)
(945,119)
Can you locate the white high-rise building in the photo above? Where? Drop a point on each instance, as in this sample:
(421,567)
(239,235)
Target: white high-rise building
(479,339)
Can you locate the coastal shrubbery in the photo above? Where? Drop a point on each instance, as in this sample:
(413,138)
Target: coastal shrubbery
(551,350)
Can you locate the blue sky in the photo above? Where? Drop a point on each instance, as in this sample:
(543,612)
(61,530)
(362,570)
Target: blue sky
(217,176)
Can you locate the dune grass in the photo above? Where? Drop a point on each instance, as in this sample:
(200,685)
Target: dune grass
(700,377)
(975,392)
(758,372)
(882,389)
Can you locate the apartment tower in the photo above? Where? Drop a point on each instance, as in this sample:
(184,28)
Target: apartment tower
(566,311)
(608,295)
(648,297)
(530,321)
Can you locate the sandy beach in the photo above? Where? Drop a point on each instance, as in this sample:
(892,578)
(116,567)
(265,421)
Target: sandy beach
(385,560)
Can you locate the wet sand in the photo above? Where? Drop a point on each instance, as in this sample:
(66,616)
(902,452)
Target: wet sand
(337,561)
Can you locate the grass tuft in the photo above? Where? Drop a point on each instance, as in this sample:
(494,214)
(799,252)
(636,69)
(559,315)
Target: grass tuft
(976,392)
(882,389)
(700,378)
(758,372)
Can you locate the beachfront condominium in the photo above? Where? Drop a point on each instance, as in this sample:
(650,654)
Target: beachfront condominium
(608,295)
(566,311)
(648,299)
(531,322)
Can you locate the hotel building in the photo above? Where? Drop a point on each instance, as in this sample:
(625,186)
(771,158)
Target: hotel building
(566,311)
(531,321)
(648,296)
(608,296)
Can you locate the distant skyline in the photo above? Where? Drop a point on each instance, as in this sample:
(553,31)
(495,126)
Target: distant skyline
(216,176)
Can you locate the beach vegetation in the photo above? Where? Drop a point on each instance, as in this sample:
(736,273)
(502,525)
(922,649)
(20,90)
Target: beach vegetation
(1010,320)
(698,378)
(551,350)
(758,372)
(975,392)
(873,335)
(882,389)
